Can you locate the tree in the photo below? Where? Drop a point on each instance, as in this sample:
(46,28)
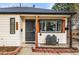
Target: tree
(63,7)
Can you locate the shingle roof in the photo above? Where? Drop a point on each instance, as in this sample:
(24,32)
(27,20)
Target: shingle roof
(31,10)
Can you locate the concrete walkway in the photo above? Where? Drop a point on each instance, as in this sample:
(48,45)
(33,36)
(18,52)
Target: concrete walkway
(27,50)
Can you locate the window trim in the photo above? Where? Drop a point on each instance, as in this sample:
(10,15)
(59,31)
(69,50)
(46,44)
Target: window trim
(10,25)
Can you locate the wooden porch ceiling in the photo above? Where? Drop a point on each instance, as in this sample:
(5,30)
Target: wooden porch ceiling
(45,17)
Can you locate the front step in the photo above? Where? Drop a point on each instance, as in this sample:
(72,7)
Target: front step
(28,45)
(30,42)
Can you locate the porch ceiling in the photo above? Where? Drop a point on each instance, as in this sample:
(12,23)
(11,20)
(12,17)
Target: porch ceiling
(44,16)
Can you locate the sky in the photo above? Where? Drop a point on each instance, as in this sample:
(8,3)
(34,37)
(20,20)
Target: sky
(37,5)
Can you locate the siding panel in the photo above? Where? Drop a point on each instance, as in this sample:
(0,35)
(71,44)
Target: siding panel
(6,38)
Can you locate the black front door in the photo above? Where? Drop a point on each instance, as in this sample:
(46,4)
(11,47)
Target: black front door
(30,30)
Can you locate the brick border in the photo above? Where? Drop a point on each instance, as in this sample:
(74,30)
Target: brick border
(48,50)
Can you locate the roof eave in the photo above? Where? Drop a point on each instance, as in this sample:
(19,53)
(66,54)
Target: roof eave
(55,13)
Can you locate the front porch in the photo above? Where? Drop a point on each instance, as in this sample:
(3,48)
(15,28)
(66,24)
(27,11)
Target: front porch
(41,32)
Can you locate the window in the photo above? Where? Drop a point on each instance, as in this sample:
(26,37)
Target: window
(50,25)
(12,25)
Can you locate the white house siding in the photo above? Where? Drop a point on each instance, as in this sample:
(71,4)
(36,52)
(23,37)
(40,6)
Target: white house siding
(61,36)
(6,38)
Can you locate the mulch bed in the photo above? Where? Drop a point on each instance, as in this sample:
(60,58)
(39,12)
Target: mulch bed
(9,50)
(55,50)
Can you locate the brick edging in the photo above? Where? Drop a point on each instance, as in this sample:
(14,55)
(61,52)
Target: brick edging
(54,50)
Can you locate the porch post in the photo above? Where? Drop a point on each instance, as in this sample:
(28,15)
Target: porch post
(37,29)
(70,29)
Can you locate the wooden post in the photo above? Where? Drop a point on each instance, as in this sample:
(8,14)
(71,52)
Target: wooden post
(37,30)
(70,29)
(63,26)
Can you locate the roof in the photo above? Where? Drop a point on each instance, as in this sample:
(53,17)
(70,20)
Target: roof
(31,10)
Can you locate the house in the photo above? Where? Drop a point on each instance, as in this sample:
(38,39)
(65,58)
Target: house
(28,25)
